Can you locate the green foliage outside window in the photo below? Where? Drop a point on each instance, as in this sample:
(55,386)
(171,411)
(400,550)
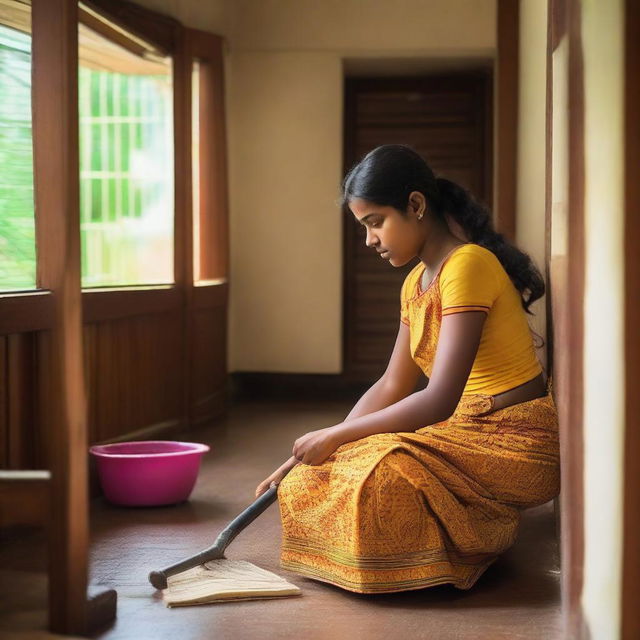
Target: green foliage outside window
(126,178)
(126,173)
(17,224)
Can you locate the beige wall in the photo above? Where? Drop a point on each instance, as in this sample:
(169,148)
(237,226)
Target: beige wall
(285,111)
(530,213)
(285,123)
(361,26)
(285,65)
(603,41)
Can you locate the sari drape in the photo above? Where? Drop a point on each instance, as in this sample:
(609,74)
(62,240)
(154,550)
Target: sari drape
(408,510)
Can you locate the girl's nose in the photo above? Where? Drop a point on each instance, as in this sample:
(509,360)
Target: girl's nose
(371,240)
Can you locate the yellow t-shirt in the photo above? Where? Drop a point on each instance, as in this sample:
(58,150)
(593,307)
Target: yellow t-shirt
(472,279)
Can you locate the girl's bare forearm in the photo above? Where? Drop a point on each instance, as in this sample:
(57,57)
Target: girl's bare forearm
(412,412)
(378,396)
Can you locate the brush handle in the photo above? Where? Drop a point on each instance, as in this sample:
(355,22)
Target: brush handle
(159,578)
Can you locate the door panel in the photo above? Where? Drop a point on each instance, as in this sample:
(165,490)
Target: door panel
(448,120)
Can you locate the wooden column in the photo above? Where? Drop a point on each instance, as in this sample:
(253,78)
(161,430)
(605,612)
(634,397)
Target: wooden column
(566,283)
(55,134)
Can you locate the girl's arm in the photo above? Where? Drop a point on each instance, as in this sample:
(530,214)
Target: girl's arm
(458,343)
(398,380)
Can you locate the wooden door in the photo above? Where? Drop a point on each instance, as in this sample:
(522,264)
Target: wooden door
(446,118)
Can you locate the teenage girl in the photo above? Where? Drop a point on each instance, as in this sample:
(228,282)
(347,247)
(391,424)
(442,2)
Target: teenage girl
(416,488)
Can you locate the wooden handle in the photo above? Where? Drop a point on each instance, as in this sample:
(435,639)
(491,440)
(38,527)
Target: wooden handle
(159,578)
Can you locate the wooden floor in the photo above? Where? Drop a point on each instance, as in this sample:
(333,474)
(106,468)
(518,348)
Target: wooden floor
(518,597)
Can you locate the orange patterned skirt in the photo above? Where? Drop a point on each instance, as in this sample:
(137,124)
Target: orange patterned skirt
(408,510)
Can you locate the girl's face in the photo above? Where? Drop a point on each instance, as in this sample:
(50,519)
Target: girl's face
(395,237)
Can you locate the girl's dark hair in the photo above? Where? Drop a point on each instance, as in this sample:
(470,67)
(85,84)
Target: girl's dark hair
(388,174)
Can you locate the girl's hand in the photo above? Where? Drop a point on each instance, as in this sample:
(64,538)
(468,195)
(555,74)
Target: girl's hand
(316,446)
(276,476)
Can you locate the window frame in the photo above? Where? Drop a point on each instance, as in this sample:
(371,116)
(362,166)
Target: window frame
(32,310)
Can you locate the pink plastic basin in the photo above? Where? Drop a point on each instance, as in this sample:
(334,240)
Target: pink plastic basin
(148,473)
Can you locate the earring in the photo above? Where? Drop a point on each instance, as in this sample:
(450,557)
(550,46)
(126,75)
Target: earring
(420,216)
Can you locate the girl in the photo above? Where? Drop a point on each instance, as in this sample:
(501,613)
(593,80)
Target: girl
(417,488)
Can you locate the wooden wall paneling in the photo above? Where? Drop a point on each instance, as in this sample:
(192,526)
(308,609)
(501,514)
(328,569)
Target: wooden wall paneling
(209,365)
(122,362)
(149,369)
(506,117)
(4,432)
(105,374)
(118,393)
(24,498)
(128,380)
(100,306)
(144,352)
(89,354)
(22,313)
(171,341)
(209,394)
(143,364)
(21,392)
(151,388)
(43,359)
(108,373)
(135,374)
(631,524)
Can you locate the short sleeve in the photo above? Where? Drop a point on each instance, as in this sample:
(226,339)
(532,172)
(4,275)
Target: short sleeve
(470,281)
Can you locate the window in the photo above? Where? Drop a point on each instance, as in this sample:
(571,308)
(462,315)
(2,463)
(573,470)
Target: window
(17,222)
(126,162)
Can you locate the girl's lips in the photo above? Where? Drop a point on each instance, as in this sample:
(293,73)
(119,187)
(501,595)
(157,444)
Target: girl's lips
(384,254)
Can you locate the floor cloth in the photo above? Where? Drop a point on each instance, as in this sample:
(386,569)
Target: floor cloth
(407,510)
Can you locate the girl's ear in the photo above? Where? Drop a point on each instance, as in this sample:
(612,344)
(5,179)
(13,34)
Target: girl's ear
(417,204)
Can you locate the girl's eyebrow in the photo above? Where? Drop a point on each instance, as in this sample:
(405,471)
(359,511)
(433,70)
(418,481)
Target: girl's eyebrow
(367,216)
